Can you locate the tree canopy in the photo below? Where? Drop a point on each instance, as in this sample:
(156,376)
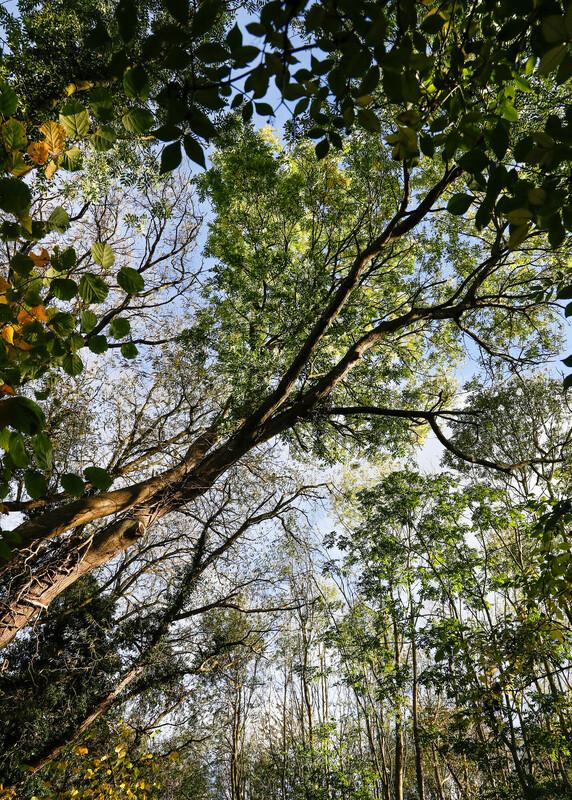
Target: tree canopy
(245,245)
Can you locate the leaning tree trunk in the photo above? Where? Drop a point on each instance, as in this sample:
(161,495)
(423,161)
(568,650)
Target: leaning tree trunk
(146,502)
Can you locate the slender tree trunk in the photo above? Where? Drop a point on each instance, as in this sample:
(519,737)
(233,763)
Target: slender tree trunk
(398,721)
(235,749)
(415,715)
(438,779)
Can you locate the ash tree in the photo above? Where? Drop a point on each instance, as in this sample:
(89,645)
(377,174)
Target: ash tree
(418,208)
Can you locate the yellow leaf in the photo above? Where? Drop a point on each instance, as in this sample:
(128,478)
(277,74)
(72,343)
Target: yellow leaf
(519,216)
(21,344)
(39,152)
(4,285)
(81,751)
(50,169)
(518,235)
(55,137)
(40,259)
(39,313)
(8,334)
(24,317)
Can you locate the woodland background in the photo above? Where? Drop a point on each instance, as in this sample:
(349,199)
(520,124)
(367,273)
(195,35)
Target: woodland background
(286,434)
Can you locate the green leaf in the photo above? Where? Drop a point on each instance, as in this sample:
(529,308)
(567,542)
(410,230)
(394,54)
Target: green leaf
(136,83)
(6,313)
(194,150)
(234,37)
(567,383)
(322,149)
(72,484)
(14,135)
(167,133)
(179,10)
(245,55)
(264,109)
(72,159)
(22,264)
(64,260)
(212,52)
(552,59)
(130,280)
(64,288)
(101,103)
(88,321)
(35,483)
(103,139)
(8,100)
(62,323)
(498,140)
(205,16)
(509,112)
(433,22)
(6,551)
(138,120)
(565,292)
(368,120)
(15,196)
(75,120)
(98,477)
(10,231)
(210,98)
(59,220)
(129,350)
(75,342)
(102,254)
(17,450)
(72,364)
(126,17)
(119,328)
(459,203)
(474,161)
(42,446)
(12,537)
(517,235)
(564,70)
(22,414)
(553,28)
(201,124)
(170,157)
(98,344)
(92,288)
